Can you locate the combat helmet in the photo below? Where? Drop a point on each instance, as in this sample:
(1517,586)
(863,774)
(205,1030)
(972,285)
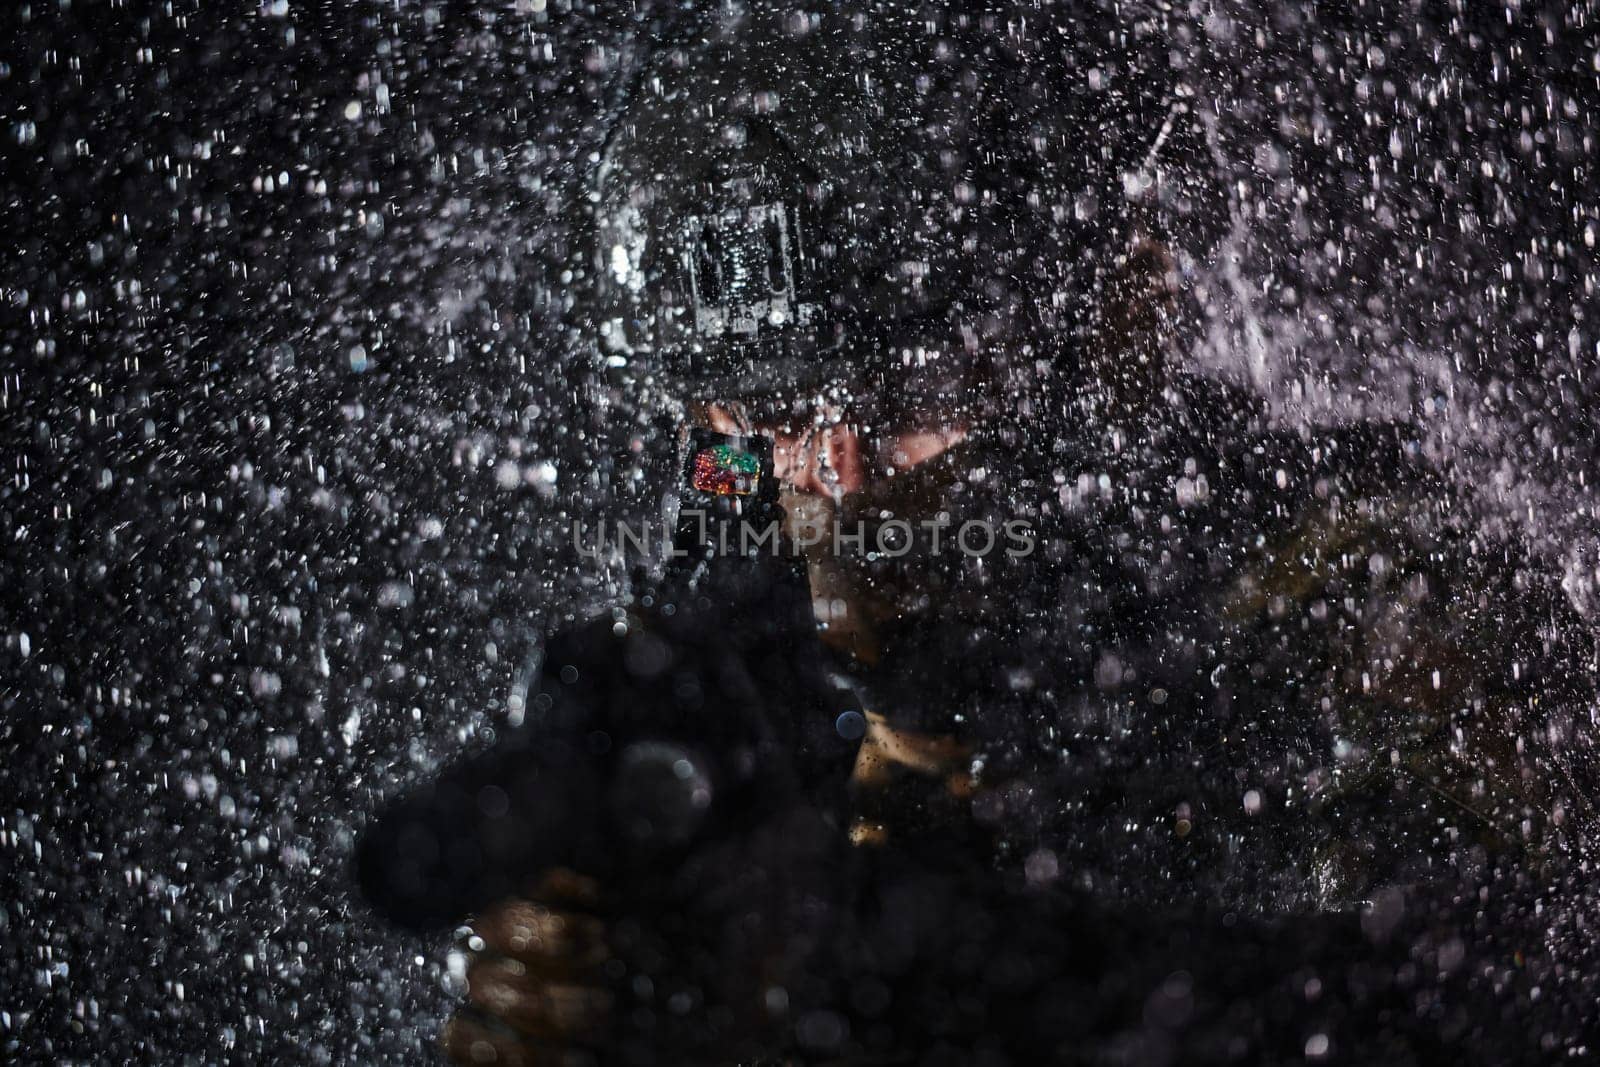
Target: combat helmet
(879,195)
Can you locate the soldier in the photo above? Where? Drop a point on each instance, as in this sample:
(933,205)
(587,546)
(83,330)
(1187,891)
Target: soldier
(934,258)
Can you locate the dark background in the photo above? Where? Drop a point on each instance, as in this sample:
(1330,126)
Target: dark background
(291,428)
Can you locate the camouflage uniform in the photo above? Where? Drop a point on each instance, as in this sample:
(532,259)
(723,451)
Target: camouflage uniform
(1281,673)
(1244,673)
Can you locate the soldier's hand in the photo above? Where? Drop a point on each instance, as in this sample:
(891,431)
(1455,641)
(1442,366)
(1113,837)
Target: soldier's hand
(538,988)
(536,991)
(890,765)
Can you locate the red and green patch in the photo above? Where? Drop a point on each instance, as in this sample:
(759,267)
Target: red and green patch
(725,471)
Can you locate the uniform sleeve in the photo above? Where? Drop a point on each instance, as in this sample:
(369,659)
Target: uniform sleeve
(1452,685)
